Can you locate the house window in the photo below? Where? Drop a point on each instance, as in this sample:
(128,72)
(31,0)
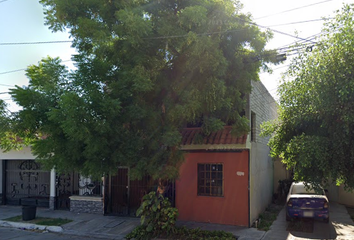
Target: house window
(253,127)
(210,179)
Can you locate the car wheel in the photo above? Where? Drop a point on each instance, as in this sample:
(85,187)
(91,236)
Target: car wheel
(287,217)
(326,220)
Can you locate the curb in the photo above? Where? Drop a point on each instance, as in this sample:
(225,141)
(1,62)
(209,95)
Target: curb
(30,226)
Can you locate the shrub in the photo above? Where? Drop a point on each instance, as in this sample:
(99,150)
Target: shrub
(157,217)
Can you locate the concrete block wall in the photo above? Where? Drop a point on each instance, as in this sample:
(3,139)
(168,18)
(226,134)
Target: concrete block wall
(262,104)
(86,204)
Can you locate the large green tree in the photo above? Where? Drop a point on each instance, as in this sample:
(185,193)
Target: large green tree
(314,134)
(145,69)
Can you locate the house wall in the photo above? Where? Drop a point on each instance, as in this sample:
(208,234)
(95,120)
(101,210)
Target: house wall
(280,173)
(24,153)
(262,104)
(344,197)
(261,180)
(232,208)
(1,172)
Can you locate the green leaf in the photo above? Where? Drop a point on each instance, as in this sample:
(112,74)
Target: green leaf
(150,227)
(134,89)
(314,133)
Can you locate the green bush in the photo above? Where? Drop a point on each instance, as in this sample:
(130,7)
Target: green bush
(182,233)
(197,234)
(157,217)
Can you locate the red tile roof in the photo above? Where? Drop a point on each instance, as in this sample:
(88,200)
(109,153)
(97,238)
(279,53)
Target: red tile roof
(189,137)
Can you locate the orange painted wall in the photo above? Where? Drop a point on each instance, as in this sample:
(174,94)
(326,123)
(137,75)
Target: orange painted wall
(232,208)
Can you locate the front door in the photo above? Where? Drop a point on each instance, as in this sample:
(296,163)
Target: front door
(125,194)
(119,185)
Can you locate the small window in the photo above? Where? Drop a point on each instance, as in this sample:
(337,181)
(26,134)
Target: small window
(253,127)
(210,180)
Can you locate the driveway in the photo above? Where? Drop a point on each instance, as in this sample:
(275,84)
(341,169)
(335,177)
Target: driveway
(340,227)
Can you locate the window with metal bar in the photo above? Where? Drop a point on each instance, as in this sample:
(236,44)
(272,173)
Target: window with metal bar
(210,179)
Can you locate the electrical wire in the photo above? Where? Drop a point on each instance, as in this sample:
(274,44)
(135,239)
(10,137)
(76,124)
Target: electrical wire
(281,67)
(27,43)
(5,85)
(185,35)
(283,48)
(299,41)
(293,9)
(274,30)
(300,22)
(17,70)
(23,69)
(3,1)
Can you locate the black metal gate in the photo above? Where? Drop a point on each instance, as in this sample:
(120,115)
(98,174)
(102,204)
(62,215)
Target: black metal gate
(27,181)
(66,184)
(69,184)
(119,196)
(125,195)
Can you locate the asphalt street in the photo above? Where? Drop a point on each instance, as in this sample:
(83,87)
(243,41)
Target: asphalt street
(19,234)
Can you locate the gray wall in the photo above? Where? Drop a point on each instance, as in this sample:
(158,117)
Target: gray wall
(0,181)
(261,164)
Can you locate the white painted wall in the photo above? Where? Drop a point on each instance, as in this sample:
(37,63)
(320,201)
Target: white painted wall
(344,197)
(261,181)
(24,153)
(261,164)
(280,173)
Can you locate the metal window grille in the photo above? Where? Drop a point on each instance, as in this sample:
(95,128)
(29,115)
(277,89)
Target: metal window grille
(210,179)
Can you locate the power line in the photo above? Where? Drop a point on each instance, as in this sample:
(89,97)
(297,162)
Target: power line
(308,38)
(274,30)
(287,34)
(183,35)
(289,46)
(293,9)
(23,69)
(5,85)
(28,43)
(281,67)
(18,70)
(3,1)
(305,21)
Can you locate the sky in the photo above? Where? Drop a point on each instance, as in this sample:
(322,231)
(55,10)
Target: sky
(22,21)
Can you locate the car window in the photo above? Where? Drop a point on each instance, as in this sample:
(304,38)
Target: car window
(300,189)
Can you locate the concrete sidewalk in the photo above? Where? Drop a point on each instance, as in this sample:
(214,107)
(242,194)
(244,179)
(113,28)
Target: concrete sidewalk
(110,227)
(83,224)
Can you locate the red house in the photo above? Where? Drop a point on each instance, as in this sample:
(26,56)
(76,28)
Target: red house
(227,179)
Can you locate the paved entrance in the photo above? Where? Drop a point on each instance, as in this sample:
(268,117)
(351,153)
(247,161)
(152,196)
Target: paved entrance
(340,227)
